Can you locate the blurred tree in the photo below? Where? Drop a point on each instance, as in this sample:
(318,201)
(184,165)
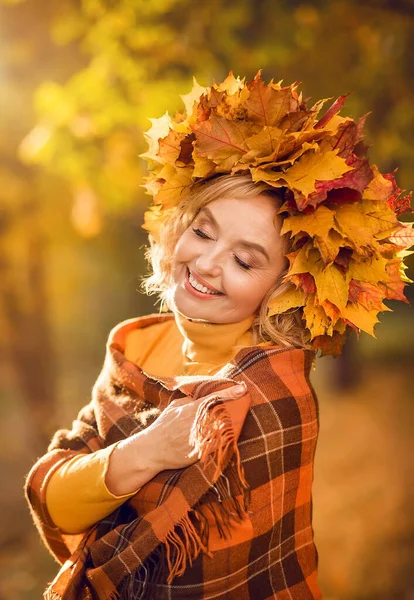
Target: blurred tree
(139,54)
(102,68)
(26,221)
(70,199)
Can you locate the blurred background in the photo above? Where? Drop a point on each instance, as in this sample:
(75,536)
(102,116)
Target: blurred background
(79,80)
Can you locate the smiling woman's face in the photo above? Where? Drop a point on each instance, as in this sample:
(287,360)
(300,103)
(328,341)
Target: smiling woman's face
(228,259)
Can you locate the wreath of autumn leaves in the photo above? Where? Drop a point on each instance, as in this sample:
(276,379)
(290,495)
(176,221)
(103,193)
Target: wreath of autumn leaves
(340,211)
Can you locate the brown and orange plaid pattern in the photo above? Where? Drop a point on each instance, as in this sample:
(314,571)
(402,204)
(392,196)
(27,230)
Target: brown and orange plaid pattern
(235,525)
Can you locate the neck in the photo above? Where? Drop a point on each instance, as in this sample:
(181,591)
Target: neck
(212,343)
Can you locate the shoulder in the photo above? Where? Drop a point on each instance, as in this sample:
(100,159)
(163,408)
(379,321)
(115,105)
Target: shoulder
(144,326)
(282,395)
(277,373)
(265,361)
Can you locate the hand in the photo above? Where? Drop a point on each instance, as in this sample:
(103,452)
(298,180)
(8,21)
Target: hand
(170,432)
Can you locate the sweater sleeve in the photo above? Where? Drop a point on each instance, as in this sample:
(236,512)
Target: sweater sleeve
(77,496)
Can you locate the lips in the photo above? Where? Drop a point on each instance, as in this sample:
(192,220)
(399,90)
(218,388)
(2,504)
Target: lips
(202,281)
(208,295)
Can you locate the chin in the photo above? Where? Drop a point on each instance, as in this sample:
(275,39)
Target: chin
(190,311)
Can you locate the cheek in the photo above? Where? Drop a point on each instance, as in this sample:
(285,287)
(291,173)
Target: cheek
(183,248)
(252,287)
(178,252)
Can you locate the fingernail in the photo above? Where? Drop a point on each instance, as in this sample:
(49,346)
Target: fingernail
(240,389)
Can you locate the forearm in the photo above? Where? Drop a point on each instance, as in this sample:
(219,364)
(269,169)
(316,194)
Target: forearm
(89,487)
(132,464)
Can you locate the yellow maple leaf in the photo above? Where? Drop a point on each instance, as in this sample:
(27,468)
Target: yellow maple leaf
(332,285)
(329,245)
(151,186)
(312,167)
(318,222)
(340,326)
(230,85)
(182,127)
(270,177)
(159,129)
(353,223)
(400,256)
(363,318)
(193,95)
(296,140)
(316,319)
(271,173)
(177,184)
(154,219)
(289,299)
(319,104)
(232,107)
(335,122)
(304,260)
(372,270)
(203,167)
(263,144)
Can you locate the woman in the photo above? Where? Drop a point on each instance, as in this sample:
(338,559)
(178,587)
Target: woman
(189,474)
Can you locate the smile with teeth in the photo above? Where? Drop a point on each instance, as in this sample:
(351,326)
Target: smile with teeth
(199,287)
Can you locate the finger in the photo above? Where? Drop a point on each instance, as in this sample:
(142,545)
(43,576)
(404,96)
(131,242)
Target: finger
(234,391)
(182,401)
(192,454)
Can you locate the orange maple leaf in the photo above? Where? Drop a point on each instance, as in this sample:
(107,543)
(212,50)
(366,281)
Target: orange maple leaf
(267,105)
(404,236)
(366,294)
(330,344)
(220,139)
(393,289)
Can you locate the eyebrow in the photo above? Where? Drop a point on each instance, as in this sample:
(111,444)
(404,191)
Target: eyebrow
(244,243)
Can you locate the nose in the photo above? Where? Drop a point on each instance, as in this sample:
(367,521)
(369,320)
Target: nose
(208,264)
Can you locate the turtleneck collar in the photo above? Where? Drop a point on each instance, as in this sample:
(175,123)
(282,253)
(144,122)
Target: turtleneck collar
(212,343)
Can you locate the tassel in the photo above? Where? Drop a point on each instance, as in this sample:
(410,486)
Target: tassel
(203,526)
(114,596)
(169,559)
(187,549)
(219,521)
(49,594)
(213,437)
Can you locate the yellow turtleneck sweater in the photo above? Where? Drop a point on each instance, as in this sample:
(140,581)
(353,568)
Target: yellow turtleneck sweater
(171,348)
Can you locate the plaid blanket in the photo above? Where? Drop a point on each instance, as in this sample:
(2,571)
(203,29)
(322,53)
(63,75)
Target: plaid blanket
(235,525)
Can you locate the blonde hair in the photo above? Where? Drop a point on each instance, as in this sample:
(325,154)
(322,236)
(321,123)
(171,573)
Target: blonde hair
(286,329)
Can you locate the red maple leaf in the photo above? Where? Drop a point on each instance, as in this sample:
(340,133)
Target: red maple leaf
(366,294)
(356,180)
(332,111)
(305,282)
(330,344)
(399,202)
(394,289)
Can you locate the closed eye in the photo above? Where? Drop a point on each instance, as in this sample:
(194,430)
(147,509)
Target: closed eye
(242,264)
(200,233)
